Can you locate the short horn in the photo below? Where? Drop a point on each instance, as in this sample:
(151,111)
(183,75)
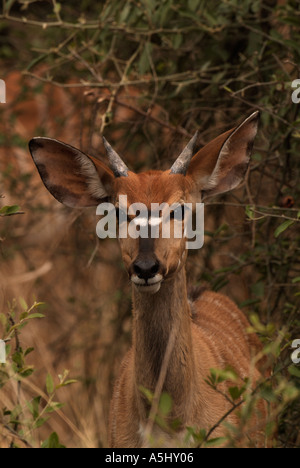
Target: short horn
(182,163)
(118,167)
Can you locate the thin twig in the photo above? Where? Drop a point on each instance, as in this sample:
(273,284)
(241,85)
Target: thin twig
(15,434)
(149,116)
(219,422)
(159,385)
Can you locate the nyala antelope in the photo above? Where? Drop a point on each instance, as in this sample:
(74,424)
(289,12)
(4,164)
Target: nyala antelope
(209,333)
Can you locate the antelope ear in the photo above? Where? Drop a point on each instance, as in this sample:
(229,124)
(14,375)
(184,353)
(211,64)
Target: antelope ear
(221,164)
(72,177)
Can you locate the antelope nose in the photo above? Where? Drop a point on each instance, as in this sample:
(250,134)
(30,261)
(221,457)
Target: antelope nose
(146,268)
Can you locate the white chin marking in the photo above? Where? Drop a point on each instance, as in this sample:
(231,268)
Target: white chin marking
(151,289)
(152,286)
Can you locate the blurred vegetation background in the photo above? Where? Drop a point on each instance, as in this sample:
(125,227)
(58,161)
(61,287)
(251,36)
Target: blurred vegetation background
(147,74)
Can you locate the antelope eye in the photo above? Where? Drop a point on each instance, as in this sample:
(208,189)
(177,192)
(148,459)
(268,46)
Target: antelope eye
(178,213)
(122,216)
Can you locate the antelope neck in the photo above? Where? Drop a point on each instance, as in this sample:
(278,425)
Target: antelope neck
(155,318)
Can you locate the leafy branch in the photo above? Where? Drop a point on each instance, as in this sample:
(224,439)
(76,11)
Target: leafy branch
(16,420)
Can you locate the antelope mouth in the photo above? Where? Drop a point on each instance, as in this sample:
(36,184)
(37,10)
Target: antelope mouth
(151,285)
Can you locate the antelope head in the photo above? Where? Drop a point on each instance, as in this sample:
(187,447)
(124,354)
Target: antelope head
(79,180)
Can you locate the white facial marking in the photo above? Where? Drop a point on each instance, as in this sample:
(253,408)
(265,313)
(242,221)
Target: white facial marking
(155,221)
(140,221)
(152,286)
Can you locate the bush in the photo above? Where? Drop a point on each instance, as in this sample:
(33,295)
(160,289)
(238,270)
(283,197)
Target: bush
(28,407)
(148,74)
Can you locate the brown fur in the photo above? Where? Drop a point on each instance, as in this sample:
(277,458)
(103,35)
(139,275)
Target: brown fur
(211,334)
(215,337)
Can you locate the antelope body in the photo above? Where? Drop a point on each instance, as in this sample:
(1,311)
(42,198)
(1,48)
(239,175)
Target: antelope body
(175,342)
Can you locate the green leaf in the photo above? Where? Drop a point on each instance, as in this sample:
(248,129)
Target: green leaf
(28,351)
(144,62)
(229,90)
(35,315)
(259,327)
(280,229)
(23,303)
(211,19)
(267,393)
(67,382)
(165,404)
(256,157)
(249,211)
(26,371)
(220,375)
(162,15)
(177,41)
(248,302)
(33,406)
(125,13)
(216,442)
(223,227)
(49,384)
(52,442)
(258,289)
(7,349)
(3,319)
(193,4)
(198,436)
(9,210)
(54,406)
(294,370)
(236,392)
(147,393)
(39,422)
(23,315)
(18,358)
